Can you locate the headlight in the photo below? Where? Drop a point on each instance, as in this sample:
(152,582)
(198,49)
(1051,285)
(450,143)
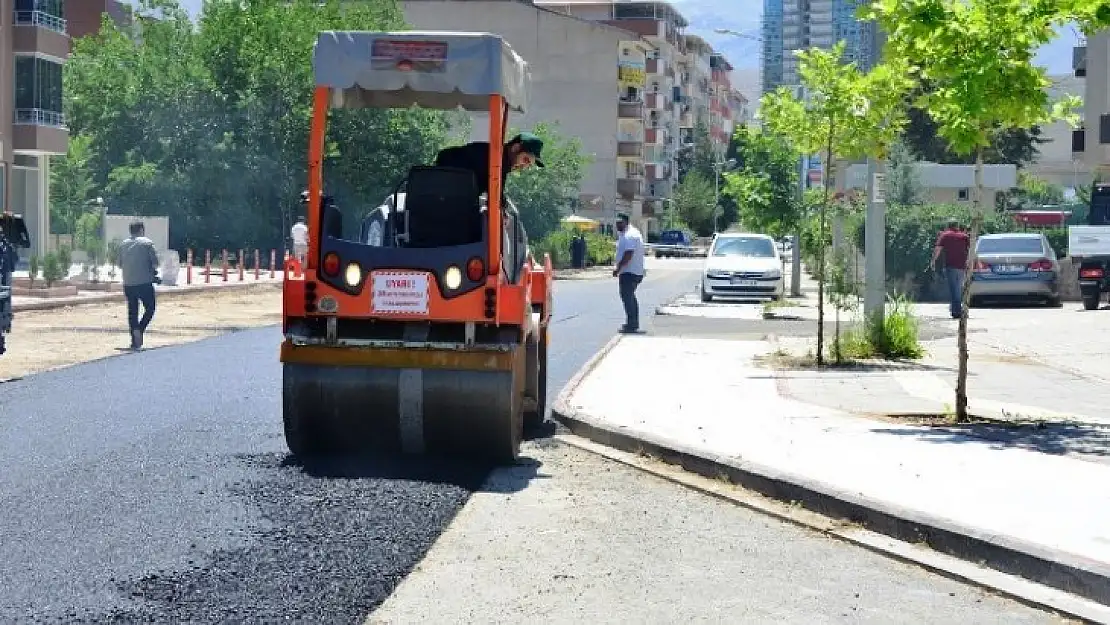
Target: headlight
(716,273)
(773,274)
(353,275)
(452,278)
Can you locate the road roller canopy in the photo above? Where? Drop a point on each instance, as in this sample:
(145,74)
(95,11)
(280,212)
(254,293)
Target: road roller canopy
(432,69)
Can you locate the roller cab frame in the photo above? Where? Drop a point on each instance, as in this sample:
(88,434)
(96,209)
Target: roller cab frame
(426,331)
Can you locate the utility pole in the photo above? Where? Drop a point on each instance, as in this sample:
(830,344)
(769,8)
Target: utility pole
(874,300)
(796,254)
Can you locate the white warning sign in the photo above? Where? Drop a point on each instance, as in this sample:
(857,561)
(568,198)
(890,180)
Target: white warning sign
(399,293)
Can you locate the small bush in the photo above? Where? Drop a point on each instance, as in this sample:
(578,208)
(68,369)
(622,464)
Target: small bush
(600,249)
(35,265)
(65,257)
(52,269)
(895,338)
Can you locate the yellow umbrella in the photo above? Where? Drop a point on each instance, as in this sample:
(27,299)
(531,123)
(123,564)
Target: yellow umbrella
(582,223)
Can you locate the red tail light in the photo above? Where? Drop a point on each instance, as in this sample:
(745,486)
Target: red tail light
(331,264)
(1041,265)
(474,269)
(980,266)
(1091,272)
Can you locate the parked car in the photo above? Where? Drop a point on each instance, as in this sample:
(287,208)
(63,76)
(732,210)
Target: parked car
(742,264)
(674,244)
(1015,266)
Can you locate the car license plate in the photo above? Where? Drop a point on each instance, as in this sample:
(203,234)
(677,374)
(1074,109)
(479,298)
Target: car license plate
(740,282)
(1009,268)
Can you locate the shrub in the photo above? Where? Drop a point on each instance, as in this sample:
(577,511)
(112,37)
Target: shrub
(35,265)
(1058,239)
(52,269)
(65,257)
(911,232)
(895,338)
(600,249)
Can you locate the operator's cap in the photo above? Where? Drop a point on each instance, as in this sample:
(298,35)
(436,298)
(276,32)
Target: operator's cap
(531,144)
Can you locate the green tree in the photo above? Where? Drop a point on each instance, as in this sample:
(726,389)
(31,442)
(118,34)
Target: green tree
(903,185)
(71,185)
(1031,193)
(977,56)
(207,123)
(764,184)
(694,201)
(847,113)
(1016,146)
(699,155)
(545,195)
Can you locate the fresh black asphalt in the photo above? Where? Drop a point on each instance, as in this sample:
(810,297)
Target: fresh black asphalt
(156,488)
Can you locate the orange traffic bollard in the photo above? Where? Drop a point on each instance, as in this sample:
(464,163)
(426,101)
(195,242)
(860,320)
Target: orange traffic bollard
(256,267)
(188,266)
(240,265)
(273,259)
(225,265)
(207,266)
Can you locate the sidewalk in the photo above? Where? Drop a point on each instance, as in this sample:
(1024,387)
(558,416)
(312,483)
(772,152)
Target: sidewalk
(1024,512)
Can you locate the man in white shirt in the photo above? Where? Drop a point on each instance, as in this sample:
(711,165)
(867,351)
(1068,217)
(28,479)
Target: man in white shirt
(300,240)
(629,270)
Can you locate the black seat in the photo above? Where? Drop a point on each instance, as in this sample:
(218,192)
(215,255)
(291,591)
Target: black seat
(442,207)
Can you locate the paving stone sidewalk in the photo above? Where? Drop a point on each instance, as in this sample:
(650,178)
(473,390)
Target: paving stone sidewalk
(712,396)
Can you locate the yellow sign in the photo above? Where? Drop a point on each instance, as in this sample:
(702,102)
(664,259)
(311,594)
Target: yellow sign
(631,76)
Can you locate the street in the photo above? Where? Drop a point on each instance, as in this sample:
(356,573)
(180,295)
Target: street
(156,487)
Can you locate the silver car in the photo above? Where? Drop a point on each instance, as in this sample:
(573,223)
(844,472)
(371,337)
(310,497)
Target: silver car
(1015,266)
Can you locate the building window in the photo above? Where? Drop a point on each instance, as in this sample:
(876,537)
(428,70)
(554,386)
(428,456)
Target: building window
(42,13)
(963,194)
(38,92)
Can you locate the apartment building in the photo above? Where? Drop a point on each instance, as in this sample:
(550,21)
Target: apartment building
(1091,142)
(84,17)
(790,25)
(720,105)
(668,81)
(34,44)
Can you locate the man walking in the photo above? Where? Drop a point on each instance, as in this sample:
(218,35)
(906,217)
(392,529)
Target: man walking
(954,244)
(139,264)
(629,270)
(299,232)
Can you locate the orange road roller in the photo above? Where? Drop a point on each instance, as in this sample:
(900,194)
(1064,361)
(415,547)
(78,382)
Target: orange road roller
(425,331)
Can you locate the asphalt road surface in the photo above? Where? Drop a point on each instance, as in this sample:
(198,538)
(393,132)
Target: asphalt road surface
(155,488)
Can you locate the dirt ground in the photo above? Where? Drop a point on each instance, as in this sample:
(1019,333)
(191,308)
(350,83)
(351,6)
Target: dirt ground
(50,339)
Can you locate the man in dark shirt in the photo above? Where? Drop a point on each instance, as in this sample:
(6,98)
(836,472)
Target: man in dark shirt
(954,244)
(520,152)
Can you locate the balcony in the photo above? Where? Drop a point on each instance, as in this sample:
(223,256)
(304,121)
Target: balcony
(31,36)
(38,130)
(630,110)
(633,149)
(40,19)
(652,66)
(652,135)
(629,187)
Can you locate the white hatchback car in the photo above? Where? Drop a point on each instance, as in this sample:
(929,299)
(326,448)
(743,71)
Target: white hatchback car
(741,264)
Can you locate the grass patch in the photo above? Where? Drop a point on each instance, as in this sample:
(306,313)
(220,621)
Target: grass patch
(892,338)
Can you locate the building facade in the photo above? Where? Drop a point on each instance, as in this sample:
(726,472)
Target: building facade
(34,45)
(1056,163)
(1091,142)
(791,25)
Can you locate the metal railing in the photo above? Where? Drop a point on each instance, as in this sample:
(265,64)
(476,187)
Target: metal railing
(39,117)
(40,19)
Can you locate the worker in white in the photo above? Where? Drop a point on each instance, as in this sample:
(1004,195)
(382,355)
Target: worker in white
(300,240)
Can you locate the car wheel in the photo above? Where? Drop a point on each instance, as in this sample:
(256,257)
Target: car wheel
(705,297)
(1091,300)
(1054,302)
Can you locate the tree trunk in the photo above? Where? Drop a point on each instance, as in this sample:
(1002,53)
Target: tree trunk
(965,293)
(821,252)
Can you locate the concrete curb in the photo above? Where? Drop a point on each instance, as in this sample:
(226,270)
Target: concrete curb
(1069,573)
(117,296)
